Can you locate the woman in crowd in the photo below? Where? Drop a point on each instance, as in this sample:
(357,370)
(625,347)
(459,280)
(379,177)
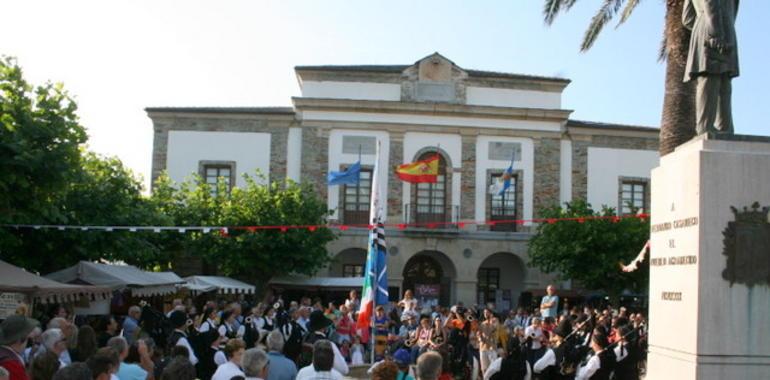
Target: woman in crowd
(107,327)
(86,344)
(438,335)
(409,304)
(345,325)
(234,351)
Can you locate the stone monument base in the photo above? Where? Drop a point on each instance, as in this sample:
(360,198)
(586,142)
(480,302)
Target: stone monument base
(709,263)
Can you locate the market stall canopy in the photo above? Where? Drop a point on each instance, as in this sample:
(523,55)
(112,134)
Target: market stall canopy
(119,277)
(223,285)
(297,281)
(16,280)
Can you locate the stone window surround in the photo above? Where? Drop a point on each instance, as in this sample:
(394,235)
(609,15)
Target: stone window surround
(637,180)
(202,164)
(518,174)
(448,171)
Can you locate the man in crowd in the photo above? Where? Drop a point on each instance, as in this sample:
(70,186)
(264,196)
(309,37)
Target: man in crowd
(13,339)
(103,363)
(318,325)
(69,331)
(131,323)
(54,342)
(281,368)
(429,366)
(323,362)
(255,364)
(126,371)
(178,337)
(549,305)
(487,336)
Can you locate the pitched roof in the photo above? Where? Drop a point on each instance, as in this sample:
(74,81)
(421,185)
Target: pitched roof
(397,69)
(599,125)
(247,110)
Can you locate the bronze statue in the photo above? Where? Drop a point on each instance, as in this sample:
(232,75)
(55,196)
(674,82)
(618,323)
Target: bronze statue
(712,61)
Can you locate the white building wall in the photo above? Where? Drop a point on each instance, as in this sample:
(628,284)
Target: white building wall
(294,154)
(351,90)
(502,97)
(449,143)
(606,165)
(394,118)
(483,163)
(338,158)
(250,152)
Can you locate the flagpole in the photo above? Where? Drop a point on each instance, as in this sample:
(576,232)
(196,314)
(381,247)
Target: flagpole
(374,219)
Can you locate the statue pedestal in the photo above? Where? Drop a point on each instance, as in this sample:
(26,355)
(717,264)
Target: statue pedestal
(700,325)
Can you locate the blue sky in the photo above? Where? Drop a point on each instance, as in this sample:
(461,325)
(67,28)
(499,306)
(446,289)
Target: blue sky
(119,57)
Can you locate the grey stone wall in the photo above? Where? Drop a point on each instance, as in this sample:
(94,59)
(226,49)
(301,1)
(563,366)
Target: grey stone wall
(547,174)
(315,158)
(468,179)
(395,158)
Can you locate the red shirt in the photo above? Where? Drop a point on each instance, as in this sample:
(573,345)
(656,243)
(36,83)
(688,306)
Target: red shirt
(12,362)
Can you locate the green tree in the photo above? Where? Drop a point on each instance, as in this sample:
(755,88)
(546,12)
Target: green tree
(678,117)
(101,192)
(590,251)
(40,142)
(253,255)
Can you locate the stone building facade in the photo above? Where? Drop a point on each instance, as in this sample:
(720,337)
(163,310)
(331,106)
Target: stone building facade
(477,121)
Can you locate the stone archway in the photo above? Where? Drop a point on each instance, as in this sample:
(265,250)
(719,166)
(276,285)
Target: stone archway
(433,269)
(349,262)
(501,271)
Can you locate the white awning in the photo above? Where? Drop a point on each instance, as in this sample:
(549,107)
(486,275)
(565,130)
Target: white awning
(223,285)
(16,280)
(296,281)
(119,277)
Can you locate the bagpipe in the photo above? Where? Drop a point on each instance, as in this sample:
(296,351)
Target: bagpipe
(155,324)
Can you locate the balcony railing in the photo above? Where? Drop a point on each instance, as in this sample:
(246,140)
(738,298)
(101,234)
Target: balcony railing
(506,214)
(432,216)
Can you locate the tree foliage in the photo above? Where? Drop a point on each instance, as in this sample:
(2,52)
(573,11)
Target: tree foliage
(254,255)
(47,177)
(589,252)
(40,142)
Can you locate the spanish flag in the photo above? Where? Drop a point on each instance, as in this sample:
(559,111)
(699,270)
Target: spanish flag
(423,171)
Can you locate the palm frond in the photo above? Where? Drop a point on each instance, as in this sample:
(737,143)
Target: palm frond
(663,49)
(553,7)
(608,10)
(627,11)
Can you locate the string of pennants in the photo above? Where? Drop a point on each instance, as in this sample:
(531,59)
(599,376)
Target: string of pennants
(225,230)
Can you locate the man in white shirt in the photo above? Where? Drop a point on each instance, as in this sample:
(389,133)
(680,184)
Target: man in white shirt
(178,319)
(534,336)
(601,364)
(318,325)
(255,364)
(323,361)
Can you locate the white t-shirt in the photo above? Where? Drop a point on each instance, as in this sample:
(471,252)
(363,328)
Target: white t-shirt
(227,371)
(538,336)
(309,373)
(495,366)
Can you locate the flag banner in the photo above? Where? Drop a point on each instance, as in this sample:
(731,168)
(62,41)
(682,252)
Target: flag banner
(634,265)
(423,171)
(345,177)
(375,290)
(499,187)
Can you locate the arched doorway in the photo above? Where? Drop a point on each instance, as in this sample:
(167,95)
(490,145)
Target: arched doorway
(348,263)
(429,274)
(500,280)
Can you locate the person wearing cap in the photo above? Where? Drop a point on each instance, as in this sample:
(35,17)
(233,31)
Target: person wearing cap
(178,337)
(547,366)
(402,358)
(601,364)
(14,332)
(317,325)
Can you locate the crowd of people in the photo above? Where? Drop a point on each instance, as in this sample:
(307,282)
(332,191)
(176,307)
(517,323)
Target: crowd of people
(306,339)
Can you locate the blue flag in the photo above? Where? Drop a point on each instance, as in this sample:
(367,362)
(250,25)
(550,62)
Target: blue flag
(347,177)
(503,184)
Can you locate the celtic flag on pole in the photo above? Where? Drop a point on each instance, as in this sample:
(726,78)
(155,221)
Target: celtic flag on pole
(375,291)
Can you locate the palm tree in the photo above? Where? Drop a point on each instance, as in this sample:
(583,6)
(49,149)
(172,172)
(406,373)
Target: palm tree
(678,119)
